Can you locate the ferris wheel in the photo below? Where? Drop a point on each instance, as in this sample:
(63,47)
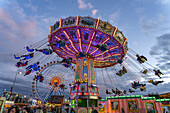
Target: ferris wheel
(51,80)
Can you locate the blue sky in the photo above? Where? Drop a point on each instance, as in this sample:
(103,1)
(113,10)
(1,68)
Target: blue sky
(146,24)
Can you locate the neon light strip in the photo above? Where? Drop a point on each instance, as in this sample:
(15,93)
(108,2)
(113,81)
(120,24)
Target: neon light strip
(78,31)
(50,30)
(98,48)
(110,56)
(94,51)
(99,61)
(57,38)
(80,44)
(97,23)
(66,51)
(79,39)
(67,56)
(104,63)
(77,20)
(106,40)
(105,60)
(60,51)
(70,41)
(60,23)
(124,42)
(65,45)
(115,32)
(48,38)
(101,53)
(62,47)
(106,51)
(70,49)
(90,42)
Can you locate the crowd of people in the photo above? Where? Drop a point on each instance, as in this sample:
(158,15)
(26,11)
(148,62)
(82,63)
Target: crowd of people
(27,109)
(39,109)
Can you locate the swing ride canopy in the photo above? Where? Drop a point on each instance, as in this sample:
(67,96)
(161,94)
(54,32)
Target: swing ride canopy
(83,35)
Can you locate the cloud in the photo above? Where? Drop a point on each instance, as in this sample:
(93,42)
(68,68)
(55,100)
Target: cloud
(156,24)
(31,6)
(83,5)
(161,50)
(135,43)
(17,30)
(94,11)
(13,32)
(114,16)
(139,10)
(164,1)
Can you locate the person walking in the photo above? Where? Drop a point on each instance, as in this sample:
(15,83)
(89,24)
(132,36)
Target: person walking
(123,110)
(13,109)
(93,109)
(39,110)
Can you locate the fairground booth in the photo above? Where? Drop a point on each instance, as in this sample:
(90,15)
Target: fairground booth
(133,104)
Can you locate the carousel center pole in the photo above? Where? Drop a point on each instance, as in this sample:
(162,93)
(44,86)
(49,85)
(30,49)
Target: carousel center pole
(86,90)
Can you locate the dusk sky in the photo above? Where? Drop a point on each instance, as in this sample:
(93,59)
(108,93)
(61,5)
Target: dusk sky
(145,23)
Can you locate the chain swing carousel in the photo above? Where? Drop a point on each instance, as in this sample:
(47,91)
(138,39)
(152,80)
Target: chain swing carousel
(90,43)
(89,48)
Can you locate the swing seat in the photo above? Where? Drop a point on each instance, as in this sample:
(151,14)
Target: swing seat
(47,52)
(62,44)
(159,74)
(145,71)
(16,57)
(124,71)
(119,74)
(143,60)
(143,88)
(135,87)
(29,50)
(119,61)
(103,49)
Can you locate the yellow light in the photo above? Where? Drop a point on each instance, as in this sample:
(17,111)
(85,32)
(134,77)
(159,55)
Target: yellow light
(9,102)
(98,48)
(50,30)
(78,31)
(124,42)
(69,49)
(60,22)
(101,53)
(77,20)
(79,39)
(60,51)
(57,38)
(97,23)
(67,56)
(90,41)
(70,41)
(115,32)
(66,51)
(106,51)
(106,40)
(110,56)
(94,51)
(20,72)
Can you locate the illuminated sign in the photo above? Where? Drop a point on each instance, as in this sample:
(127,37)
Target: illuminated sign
(9,102)
(93,97)
(80,80)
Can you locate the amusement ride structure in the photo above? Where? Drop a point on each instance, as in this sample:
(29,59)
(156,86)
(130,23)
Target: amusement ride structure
(92,50)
